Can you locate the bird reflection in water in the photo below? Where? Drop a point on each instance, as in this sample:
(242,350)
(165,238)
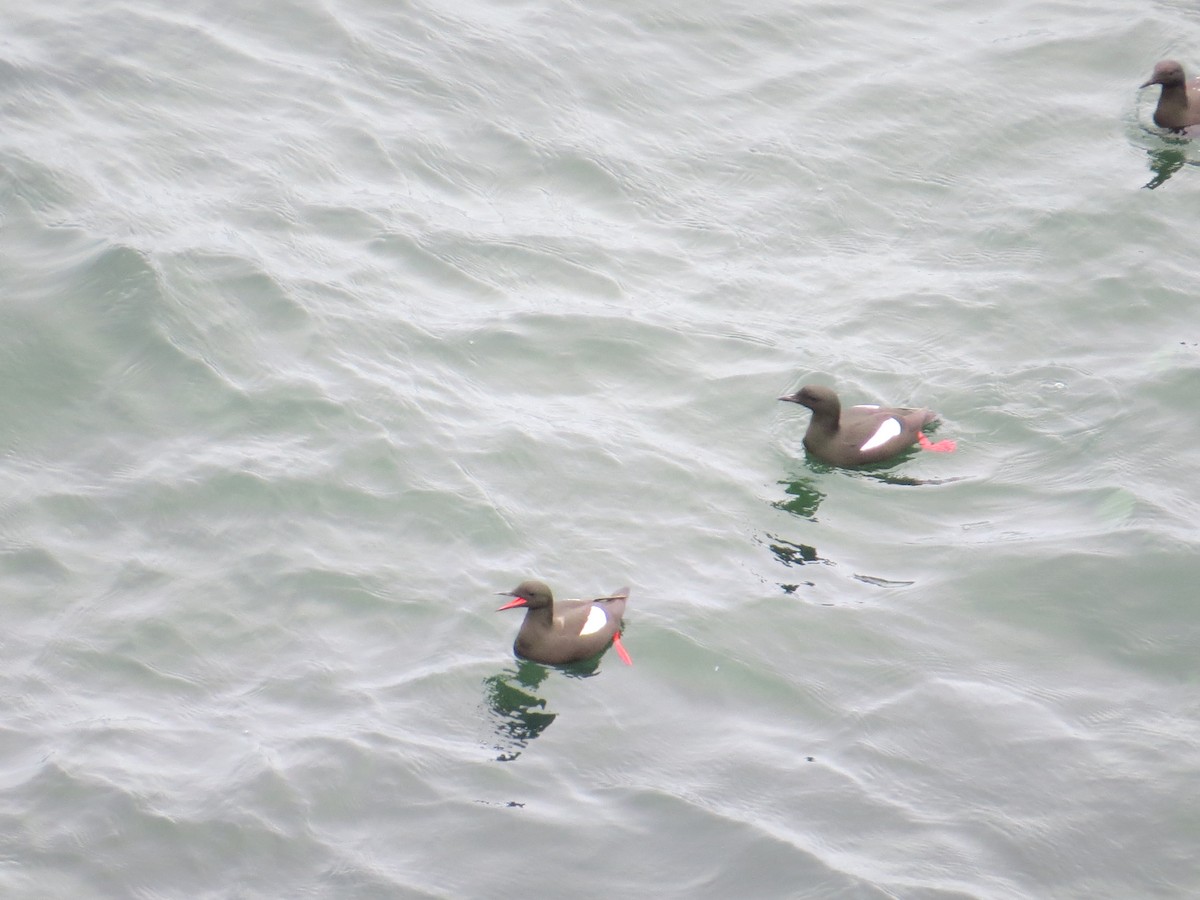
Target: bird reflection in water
(792,554)
(1164,162)
(803,497)
(906,481)
(519,715)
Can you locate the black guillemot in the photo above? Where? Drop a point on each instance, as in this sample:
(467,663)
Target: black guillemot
(1179,103)
(566,631)
(859,435)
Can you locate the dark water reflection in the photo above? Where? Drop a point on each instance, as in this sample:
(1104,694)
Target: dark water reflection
(804,497)
(1164,162)
(802,500)
(793,555)
(908,481)
(518,714)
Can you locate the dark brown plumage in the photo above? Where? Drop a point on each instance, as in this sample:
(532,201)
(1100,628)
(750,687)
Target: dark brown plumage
(567,630)
(856,435)
(1179,103)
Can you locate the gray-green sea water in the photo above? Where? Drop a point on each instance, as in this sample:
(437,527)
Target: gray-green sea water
(321,322)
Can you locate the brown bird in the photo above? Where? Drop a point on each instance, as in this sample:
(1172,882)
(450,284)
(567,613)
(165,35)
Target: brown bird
(569,630)
(1179,103)
(859,435)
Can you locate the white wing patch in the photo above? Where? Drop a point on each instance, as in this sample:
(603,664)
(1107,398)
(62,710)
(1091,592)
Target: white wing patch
(867,406)
(887,430)
(595,621)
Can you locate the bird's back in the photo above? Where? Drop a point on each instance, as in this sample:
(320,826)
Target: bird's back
(869,434)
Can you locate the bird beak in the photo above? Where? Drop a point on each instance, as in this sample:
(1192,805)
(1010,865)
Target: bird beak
(791,398)
(516,601)
(1148,83)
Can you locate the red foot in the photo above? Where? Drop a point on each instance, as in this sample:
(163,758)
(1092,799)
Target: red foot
(939,447)
(621,651)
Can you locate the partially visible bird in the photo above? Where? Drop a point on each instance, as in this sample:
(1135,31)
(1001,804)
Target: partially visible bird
(1179,103)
